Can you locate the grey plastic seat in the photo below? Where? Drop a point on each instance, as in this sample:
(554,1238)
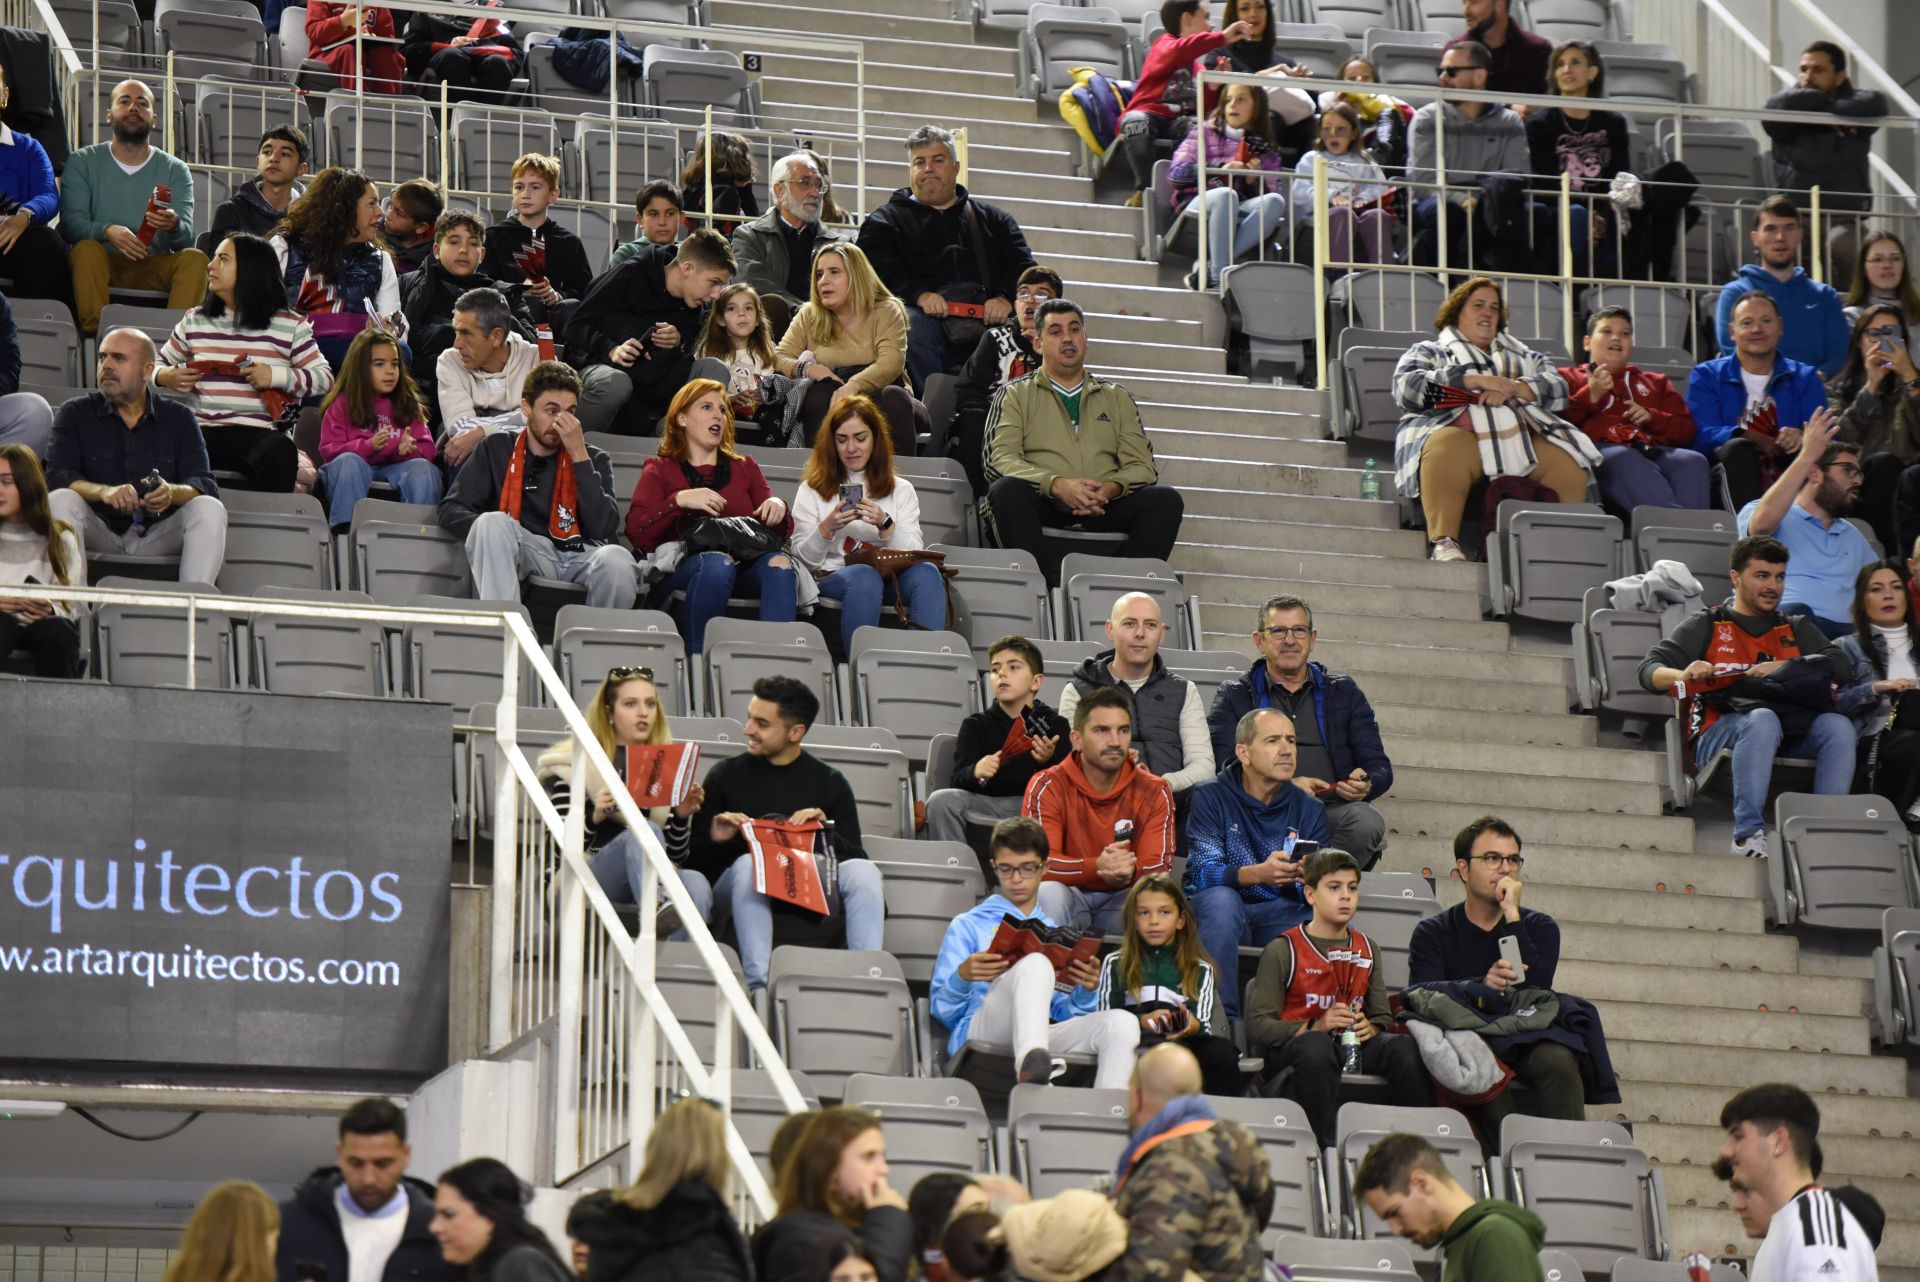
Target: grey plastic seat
(1628,1269)
(1060,37)
(1661,317)
(947,510)
(1607,666)
(231,119)
(204,40)
(758,1110)
(1275,306)
(1321,47)
(122,37)
(932,1123)
(397,139)
(1001,15)
(49,343)
(1542,559)
(741,651)
(996,592)
(1058,659)
(1363,386)
(146,645)
(840,1011)
(690,992)
(1300,1201)
(1207,669)
(1389,300)
(275,540)
(921,904)
(1403,60)
(552,92)
(456,663)
(1560,20)
(1647,71)
(718,737)
(1558,1266)
(155,322)
(1535,309)
(293,654)
(682,83)
(400,553)
(1061,1137)
(1359,1125)
(942,857)
(1391,905)
(1354,17)
(646,152)
(1843,862)
(486,142)
(876,769)
(594,228)
(916,684)
(1896,978)
(1600,1197)
(1091,584)
(1723,155)
(1320,1259)
(1702,541)
(588,642)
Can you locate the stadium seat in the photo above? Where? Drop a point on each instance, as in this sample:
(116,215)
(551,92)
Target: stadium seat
(916,684)
(1896,979)
(1536,310)
(1272,305)
(876,768)
(389,139)
(1600,1197)
(682,83)
(146,645)
(122,37)
(948,513)
(1300,1203)
(1560,20)
(1359,1125)
(293,654)
(1700,540)
(204,36)
(1400,59)
(1843,862)
(1391,905)
(400,553)
(922,901)
(1060,37)
(741,651)
(457,663)
(1320,1259)
(995,592)
(718,737)
(1166,232)
(692,996)
(1320,47)
(1628,1269)
(1353,18)
(486,141)
(274,539)
(49,344)
(155,322)
(1058,659)
(837,1011)
(1363,392)
(1606,668)
(1207,669)
(1063,1137)
(1662,318)
(1439,15)
(932,1124)
(1091,584)
(1388,300)
(1000,15)
(230,119)
(588,642)
(595,230)
(758,1110)
(1652,72)
(552,92)
(1542,559)
(943,857)
(645,153)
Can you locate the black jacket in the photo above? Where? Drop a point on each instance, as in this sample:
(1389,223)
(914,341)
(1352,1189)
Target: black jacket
(424,30)
(985,732)
(9,350)
(1347,724)
(918,249)
(690,1234)
(248,211)
(1806,156)
(792,1248)
(627,303)
(476,489)
(310,1233)
(427,297)
(567,267)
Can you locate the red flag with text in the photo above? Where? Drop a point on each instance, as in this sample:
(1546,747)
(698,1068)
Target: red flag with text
(783,862)
(660,774)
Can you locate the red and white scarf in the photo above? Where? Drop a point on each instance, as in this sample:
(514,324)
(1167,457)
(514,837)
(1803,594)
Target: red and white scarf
(563,513)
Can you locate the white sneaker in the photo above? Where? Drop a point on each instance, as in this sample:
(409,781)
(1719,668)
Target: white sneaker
(1754,847)
(1446,550)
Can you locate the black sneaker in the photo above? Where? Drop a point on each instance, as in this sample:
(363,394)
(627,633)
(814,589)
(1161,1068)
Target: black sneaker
(1036,1066)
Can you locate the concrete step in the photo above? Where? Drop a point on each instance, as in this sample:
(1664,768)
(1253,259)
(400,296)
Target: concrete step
(1694,1186)
(1484,726)
(1464,699)
(1171,357)
(1048,243)
(1556,827)
(1840,1114)
(1416,660)
(1236,592)
(1327,510)
(1229,423)
(1123,328)
(1608,907)
(1882,1156)
(1253,448)
(1698,1030)
(1332,482)
(897,97)
(1634,1060)
(842,23)
(1665,872)
(1499,792)
(1243,533)
(1660,980)
(1727,951)
(1528,760)
(1719,1233)
(1155,302)
(958,76)
(887,130)
(1228,392)
(1290,564)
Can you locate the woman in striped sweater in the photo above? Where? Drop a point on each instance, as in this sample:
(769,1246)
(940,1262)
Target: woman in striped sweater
(238,359)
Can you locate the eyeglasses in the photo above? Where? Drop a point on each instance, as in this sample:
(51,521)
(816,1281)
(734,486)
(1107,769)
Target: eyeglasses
(1884,260)
(1282,634)
(1010,872)
(807,182)
(1514,862)
(1846,469)
(1022,295)
(1884,331)
(1448,73)
(629,674)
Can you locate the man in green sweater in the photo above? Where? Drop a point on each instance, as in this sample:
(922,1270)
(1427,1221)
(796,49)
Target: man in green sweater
(104,199)
(1405,1182)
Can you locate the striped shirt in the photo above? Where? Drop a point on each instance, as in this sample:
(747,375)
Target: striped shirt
(285,345)
(1814,1238)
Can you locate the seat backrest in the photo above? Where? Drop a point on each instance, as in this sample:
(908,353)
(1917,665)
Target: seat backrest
(1062,1137)
(1396,300)
(1846,860)
(1058,659)
(203,43)
(487,141)
(877,771)
(1063,37)
(288,548)
(146,645)
(917,692)
(1314,1258)
(589,642)
(644,155)
(1353,17)
(317,655)
(454,663)
(1535,309)
(49,343)
(838,1011)
(1705,551)
(231,119)
(1293,1160)
(1586,1180)
(758,1110)
(921,904)
(1091,584)
(947,511)
(1374,414)
(932,1123)
(687,984)
(1207,669)
(996,592)
(1388,912)
(741,651)
(682,83)
(912,852)
(1359,1125)
(1621,640)
(155,322)
(396,139)
(396,563)
(1552,555)
(595,230)
(1273,301)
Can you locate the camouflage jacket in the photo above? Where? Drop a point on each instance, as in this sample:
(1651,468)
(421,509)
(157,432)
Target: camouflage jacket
(1196,1202)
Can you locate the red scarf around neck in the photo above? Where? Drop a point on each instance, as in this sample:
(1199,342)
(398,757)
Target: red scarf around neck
(563,523)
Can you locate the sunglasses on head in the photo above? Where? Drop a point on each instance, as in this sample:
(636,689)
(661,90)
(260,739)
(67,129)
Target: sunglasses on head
(629,674)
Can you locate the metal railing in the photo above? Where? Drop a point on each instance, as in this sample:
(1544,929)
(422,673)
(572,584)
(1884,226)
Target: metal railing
(560,951)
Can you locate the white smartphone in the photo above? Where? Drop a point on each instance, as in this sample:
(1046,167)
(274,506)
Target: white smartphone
(1510,953)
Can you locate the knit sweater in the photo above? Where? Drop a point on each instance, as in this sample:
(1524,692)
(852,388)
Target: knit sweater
(285,346)
(95,194)
(339,434)
(23,556)
(876,344)
(568,269)
(26,175)
(825,555)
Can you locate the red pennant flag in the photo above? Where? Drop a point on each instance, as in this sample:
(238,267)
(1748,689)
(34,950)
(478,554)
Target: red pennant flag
(661,774)
(783,865)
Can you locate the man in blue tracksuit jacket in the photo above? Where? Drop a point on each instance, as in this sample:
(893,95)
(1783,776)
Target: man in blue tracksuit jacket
(1720,392)
(1815,325)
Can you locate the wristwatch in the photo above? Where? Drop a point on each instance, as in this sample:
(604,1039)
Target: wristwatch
(887,524)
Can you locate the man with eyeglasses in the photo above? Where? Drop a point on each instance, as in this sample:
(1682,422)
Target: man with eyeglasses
(775,251)
(1751,405)
(1169,719)
(1482,138)
(1805,510)
(1462,945)
(1340,758)
(976,994)
(1813,324)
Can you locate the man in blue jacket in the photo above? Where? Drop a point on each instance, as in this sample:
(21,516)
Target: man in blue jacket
(1243,869)
(1814,325)
(975,993)
(1750,406)
(1339,756)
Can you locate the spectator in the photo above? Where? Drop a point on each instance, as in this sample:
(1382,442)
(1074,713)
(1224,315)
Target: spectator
(1804,509)
(1751,637)
(1639,423)
(738,335)
(1884,277)
(336,273)
(1243,213)
(697,473)
(1338,756)
(260,204)
(1065,448)
(373,427)
(936,1199)
(1003,1192)
(989,779)
(108,449)
(330,40)
(1315,983)
(1588,145)
(107,192)
(25,417)
(977,995)
(1161,976)
(633,334)
(363,1219)
(480,1220)
(1512,429)
(477,59)
(1356,191)
(1881,652)
(733,178)
(239,360)
(523,509)
(1482,140)
(1254,52)
(1163,105)
(479,377)
(1876,395)
(37,548)
(775,251)
(1405,1182)
(1518,60)
(32,255)
(1170,724)
(1772,1159)
(928,244)
(851,501)
(231,1236)
(1384,119)
(834,1184)
(1243,871)
(1832,158)
(407,222)
(536,185)
(428,300)
(850,339)
(657,221)
(1818,333)
(1750,405)
(1108,822)
(1005,352)
(777,778)
(1194,1188)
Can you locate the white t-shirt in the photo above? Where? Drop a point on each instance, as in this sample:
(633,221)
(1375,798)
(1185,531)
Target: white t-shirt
(371,1237)
(1756,387)
(1813,1238)
(1899,653)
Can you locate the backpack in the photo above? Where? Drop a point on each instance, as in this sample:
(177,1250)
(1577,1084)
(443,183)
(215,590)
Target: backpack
(1092,105)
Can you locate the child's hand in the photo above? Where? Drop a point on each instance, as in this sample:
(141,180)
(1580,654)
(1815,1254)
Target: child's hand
(259,375)
(380,438)
(407,445)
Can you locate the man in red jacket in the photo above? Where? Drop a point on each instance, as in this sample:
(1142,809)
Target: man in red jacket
(1642,426)
(1163,102)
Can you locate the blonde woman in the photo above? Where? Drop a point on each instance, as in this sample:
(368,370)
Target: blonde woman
(850,337)
(674,1220)
(231,1237)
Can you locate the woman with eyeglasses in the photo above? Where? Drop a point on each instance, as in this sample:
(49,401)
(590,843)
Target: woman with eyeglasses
(1877,397)
(625,710)
(1883,276)
(1884,650)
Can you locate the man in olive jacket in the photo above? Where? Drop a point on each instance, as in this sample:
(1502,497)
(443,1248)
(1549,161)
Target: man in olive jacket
(1066,449)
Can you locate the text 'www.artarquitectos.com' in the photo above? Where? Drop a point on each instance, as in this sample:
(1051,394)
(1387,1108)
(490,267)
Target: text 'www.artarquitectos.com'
(196,965)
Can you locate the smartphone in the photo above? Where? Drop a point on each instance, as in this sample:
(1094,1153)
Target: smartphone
(1123,830)
(851,495)
(1301,849)
(1510,953)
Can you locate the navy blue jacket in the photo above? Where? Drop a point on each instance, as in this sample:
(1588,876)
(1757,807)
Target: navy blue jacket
(1575,1026)
(1347,727)
(1716,397)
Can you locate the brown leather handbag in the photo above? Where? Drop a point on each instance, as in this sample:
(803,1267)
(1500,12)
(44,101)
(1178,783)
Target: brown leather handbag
(892,562)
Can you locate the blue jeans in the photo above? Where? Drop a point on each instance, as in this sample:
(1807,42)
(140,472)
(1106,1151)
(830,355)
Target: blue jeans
(1227,920)
(861,892)
(1755,737)
(926,347)
(1236,226)
(861,591)
(618,865)
(1673,478)
(349,477)
(1589,259)
(1833,628)
(709,578)
(1066,905)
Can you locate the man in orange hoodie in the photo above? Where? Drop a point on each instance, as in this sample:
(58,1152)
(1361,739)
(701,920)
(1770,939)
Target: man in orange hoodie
(1108,821)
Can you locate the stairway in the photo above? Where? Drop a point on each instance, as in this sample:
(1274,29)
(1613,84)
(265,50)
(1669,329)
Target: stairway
(1670,941)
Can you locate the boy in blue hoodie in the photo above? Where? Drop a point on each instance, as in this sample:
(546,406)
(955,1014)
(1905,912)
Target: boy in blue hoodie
(976,995)
(1814,325)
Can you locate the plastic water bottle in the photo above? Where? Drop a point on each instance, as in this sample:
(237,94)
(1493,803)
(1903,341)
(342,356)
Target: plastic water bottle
(1350,1048)
(1370,481)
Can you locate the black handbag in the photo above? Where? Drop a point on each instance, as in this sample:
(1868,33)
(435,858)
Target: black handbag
(740,537)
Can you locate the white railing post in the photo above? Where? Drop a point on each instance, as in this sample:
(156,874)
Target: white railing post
(506,853)
(1321,213)
(570,978)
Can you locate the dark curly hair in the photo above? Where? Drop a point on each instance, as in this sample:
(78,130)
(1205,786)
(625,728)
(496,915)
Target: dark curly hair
(323,220)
